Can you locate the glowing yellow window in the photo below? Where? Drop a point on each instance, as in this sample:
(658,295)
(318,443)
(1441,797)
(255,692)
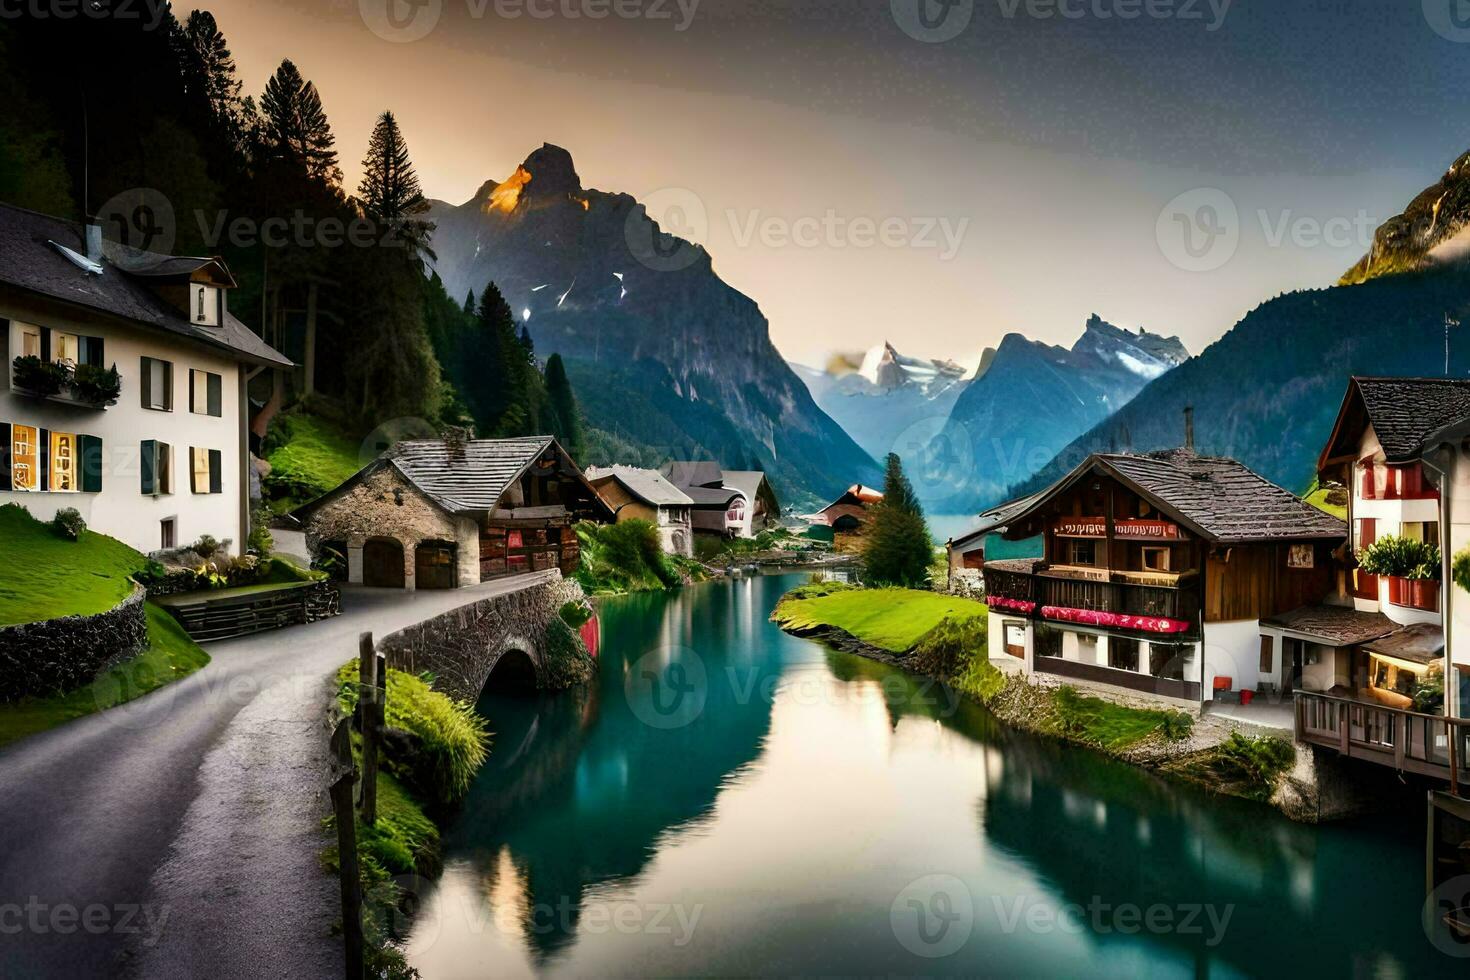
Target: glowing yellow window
(66,347)
(30,341)
(23,457)
(63,462)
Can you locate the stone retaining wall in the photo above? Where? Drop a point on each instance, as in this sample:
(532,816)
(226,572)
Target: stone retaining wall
(60,655)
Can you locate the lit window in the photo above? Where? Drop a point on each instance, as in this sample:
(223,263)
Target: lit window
(30,341)
(66,347)
(23,462)
(63,462)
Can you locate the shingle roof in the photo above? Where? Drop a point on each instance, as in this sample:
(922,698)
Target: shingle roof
(648,486)
(1404,411)
(29,261)
(472,477)
(997,518)
(1338,625)
(703,482)
(1224,499)
(1422,644)
(751,483)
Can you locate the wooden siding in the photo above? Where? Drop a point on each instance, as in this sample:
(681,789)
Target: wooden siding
(1254,582)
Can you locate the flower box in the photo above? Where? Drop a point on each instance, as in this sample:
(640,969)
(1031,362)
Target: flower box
(1414,593)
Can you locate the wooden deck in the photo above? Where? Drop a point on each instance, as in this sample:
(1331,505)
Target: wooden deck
(1427,745)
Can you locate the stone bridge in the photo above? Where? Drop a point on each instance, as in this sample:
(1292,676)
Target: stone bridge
(517,637)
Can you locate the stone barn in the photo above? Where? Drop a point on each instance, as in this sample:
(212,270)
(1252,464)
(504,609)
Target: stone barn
(445,514)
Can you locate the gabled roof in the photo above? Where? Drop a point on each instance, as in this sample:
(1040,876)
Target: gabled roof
(30,261)
(857,494)
(752,484)
(1334,625)
(701,473)
(462,478)
(1219,500)
(1404,412)
(648,486)
(1422,643)
(996,519)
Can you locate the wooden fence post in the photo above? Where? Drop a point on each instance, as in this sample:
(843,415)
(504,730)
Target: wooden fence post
(370,714)
(343,773)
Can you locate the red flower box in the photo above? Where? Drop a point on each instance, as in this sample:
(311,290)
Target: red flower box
(1091,617)
(1421,594)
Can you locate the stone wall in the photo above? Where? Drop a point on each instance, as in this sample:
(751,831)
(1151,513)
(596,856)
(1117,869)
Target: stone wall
(385,505)
(461,648)
(61,655)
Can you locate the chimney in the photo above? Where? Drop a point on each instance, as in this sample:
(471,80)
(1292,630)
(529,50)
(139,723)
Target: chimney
(94,241)
(1189,428)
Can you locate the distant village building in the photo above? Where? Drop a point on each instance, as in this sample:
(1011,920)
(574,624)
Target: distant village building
(848,516)
(1158,574)
(445,514)
(155,455)
(732,503)
(645,495)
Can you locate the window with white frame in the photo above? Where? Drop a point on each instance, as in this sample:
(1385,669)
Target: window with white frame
(204,304)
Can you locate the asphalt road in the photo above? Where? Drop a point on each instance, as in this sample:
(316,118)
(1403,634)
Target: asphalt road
(178,834)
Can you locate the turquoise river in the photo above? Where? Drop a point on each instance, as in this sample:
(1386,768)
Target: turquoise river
(727,800)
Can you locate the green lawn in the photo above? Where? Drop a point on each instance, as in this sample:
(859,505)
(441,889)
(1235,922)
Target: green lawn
(1318,499)
(312,456)
(43,576)
(894,619)
(170,656)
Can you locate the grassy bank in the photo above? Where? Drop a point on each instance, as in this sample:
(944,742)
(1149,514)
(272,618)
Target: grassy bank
(309,455)
(43,576)
(891,619)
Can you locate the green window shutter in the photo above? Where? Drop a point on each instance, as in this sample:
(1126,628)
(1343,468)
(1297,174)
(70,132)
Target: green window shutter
(145,370)
(165,467)
(150,467)
(6,448)
(90,451)
(168,382)
(43,457)
(216,395)
(216,471)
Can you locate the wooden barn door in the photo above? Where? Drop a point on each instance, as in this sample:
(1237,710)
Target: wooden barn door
(382,564)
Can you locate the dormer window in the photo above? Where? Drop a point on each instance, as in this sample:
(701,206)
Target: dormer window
(204,304)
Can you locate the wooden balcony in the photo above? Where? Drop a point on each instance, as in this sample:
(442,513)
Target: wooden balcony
(1428,745)
(1113,595)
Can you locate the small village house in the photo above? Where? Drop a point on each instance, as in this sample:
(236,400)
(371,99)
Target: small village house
(848,516)
(645,495)
(450,513)
(155,454)
(1157,574)
(731,503)
(1396,443)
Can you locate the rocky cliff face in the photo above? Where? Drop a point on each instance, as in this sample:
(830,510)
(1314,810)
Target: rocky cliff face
(662,352)
(1433,230)
(879,395)
(1031,401)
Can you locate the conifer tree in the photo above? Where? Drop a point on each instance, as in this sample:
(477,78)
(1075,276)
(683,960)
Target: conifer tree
(296,127)
(898,549)
(390,190)
(469,303)
(566,414)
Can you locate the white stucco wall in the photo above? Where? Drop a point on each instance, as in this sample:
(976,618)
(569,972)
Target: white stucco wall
(121,510)
(1230,650)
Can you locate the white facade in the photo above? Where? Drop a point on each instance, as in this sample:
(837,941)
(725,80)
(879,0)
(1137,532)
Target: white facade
(1372,519)
(1456,502)
(120,508)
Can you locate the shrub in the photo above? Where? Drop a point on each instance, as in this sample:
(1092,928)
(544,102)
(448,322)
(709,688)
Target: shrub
(1258,760)
(1401,558)
(947,649)
(574,614)
(39,377)
(96,385)
(981,679)
(68,524)
(208,546)
(452,739)
(260,540)
(1461,569)
(624,557)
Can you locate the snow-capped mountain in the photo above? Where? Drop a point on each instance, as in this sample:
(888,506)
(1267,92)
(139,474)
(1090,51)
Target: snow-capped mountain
(879,395)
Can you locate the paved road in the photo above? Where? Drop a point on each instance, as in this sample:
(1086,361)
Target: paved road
(177,835)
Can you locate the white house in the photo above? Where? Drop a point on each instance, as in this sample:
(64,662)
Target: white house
(733,503)
(157,454)
(645,495)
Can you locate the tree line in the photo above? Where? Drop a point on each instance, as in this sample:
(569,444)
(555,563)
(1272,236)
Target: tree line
(102,110)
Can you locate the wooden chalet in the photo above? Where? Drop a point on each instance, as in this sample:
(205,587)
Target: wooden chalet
(1156,574)
(451,513)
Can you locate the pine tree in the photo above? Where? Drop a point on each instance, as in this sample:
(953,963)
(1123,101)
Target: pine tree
(469,303)
(566,414)
(390,191)
(208,68)
(897,549)
(296,127)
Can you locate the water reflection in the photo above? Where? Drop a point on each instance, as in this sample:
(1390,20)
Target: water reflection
(776,829)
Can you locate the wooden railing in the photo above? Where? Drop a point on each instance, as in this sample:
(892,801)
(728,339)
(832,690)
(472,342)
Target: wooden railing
(1114,597)
(1430,745)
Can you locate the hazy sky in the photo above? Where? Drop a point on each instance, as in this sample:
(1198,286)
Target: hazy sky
(997,166)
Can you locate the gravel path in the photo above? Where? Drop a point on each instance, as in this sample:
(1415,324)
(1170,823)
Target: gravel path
(177,835)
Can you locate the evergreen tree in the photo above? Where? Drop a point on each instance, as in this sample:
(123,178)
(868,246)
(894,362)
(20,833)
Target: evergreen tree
(390,191)
(296,127)
(469,302)
(208,69)
(566,415)
(897,549)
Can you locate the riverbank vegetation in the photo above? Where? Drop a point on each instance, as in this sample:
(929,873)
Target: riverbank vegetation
(892,619)
(897,547)
(45,575)
(629,557)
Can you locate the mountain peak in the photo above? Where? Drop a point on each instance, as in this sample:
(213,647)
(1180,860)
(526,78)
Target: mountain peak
(548,173)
